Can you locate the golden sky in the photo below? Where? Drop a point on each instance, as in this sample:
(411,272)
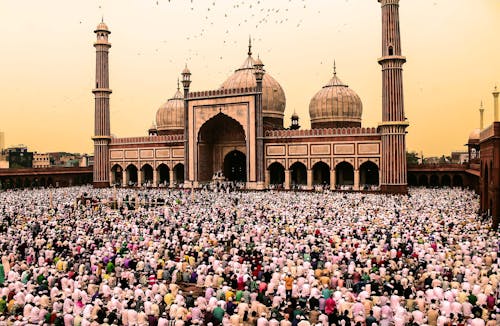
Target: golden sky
(48,61)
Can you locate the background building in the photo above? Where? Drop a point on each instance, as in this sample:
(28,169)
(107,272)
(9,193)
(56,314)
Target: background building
(41,160)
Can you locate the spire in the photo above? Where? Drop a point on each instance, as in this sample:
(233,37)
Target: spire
(178,87)
(481,116)
(334,68)
(249,45)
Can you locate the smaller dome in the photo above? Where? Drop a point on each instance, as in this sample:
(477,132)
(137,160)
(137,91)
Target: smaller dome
(474,135)
(186,70)
(102,27)
(170,115)
(335,105)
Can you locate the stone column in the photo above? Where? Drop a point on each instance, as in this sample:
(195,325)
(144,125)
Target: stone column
(124,178)
(268,178)
(171,178)
(139,177)
(356,179)
(332,179)
(288,178)
(112,179)
(155,178)
(309,179)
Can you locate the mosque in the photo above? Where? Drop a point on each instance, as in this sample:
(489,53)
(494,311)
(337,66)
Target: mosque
(236,132)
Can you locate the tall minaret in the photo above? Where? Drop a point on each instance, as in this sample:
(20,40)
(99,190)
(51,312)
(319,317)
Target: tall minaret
(102,134)
(394,123)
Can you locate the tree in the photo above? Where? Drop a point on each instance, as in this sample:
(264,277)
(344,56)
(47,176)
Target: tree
(412,158)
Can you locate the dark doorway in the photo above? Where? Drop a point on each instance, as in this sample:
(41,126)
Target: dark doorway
(235,166)
(299,173)
(118,174)
(434,181)
(344,174)
(164,172)
(368,174)
(132,175)
(446,181)
(423,181)
(458,181)
(147,174)
(179,173)
(321,174)
(277,174)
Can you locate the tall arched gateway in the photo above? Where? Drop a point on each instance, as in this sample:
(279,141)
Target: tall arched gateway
(222,148)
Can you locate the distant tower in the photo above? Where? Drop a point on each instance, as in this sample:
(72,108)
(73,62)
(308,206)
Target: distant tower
(394,124)
(102,134)
(295,121)
(481,117)
(495,104)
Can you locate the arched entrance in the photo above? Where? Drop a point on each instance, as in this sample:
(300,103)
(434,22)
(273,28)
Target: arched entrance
(299,173)
(434,181)
(131,171)
(277,174)
(458,181)
(412,180)
(321,174)
(214,138)
(117,174)
(179,173)
(368,174)
(423,181)
(446,181)
(164,173)
(235,166)
(344,174)
(147,174)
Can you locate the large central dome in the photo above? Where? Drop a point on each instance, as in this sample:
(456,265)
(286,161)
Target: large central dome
(273,96)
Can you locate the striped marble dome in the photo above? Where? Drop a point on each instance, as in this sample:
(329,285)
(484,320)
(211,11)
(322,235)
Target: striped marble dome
(335,105)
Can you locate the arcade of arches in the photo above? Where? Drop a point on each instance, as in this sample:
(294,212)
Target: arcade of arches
(162,175)
(343,176)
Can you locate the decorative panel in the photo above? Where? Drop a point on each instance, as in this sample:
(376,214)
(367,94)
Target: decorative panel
(344,149)
(323,149)
(373,148)
(297,150)
(275,150)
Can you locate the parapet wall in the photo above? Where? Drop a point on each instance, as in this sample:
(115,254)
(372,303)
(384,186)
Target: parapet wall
(147,139)
(222,92)
(321,132)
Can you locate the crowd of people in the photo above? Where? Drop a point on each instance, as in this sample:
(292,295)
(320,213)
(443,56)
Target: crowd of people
(84,256)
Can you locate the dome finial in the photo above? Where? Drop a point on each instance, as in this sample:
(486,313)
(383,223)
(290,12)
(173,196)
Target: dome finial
(178,87)
(334,68)
(249,45)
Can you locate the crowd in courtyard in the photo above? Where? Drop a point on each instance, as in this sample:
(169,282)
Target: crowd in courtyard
(84,256)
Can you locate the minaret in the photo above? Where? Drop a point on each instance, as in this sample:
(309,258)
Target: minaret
(259,121)
(186,81)
(495,104)
(481,117)
(394,123)
(102,134)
